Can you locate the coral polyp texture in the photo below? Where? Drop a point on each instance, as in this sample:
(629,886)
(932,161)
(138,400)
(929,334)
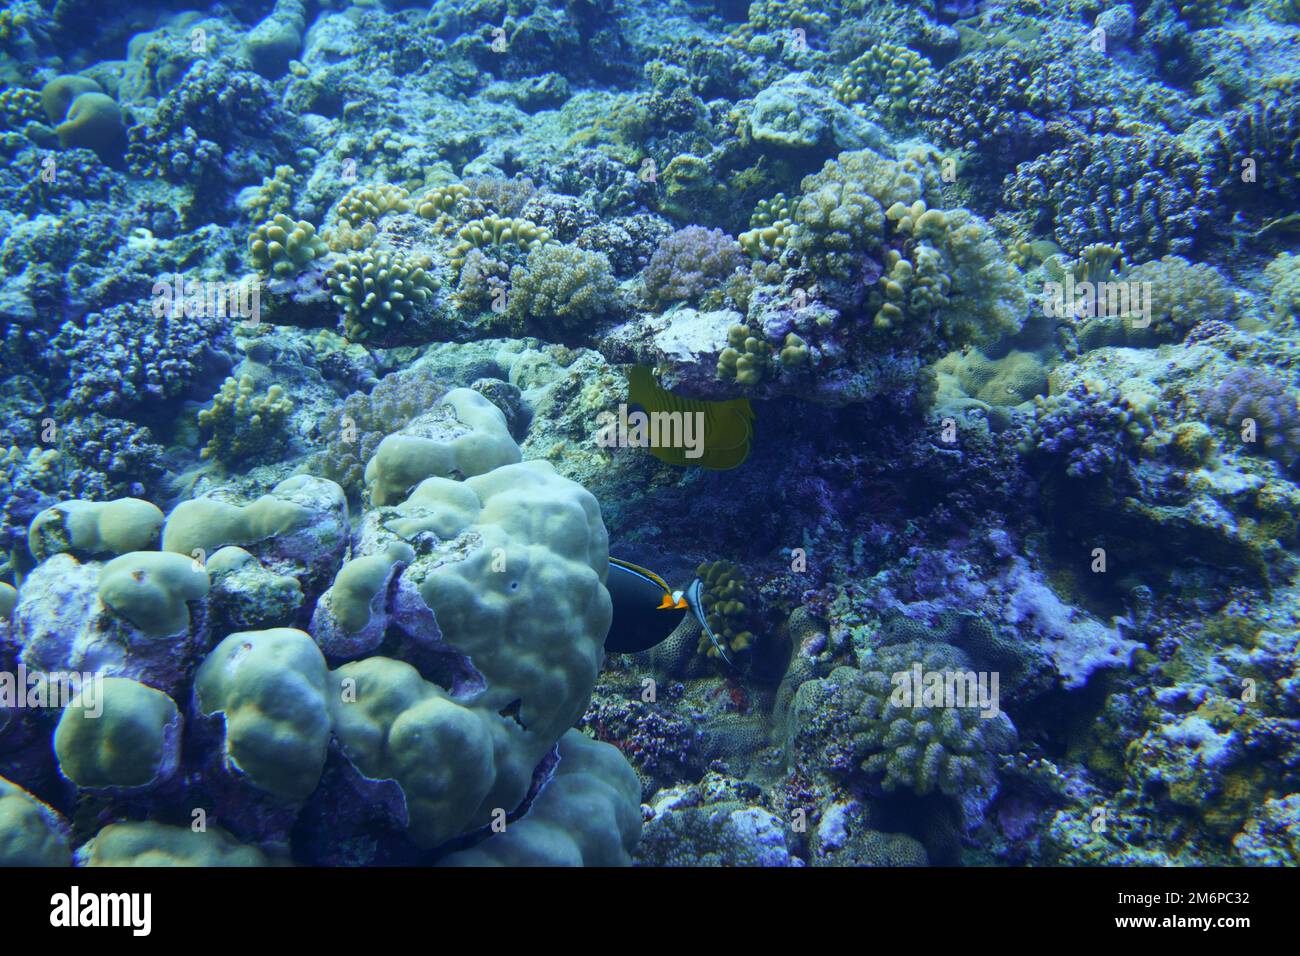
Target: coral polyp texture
(541,432)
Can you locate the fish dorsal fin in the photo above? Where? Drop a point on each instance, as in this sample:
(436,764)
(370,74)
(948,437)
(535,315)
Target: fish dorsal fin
(644,573)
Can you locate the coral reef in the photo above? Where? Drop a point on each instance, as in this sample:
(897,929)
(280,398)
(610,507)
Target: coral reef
(938,358)
(1161,194)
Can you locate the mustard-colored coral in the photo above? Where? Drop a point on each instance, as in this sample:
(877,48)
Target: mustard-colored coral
(1181,293)
(1283,275)
(794,352)
(440,204)
(950,266)
(521,234)
(745,358)
(283,247)
(363,204)
(770,228)
(244,425)
(18,106)
(841,211)
(379,292)
(888,74)
(562,288)
(725,607)
(274,196)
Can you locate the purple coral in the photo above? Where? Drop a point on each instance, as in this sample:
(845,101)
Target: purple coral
(1091,429)
(1261,406)
(121,358)
(213,111)
(690,262)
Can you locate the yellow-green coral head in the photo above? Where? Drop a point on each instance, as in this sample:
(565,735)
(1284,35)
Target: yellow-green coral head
(151,590)
(93,122)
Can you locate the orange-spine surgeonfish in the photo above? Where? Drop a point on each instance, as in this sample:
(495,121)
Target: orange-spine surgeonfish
(647,610)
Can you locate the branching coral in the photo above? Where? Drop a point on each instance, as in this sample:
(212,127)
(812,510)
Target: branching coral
(855,721)
(282,247)
(725,607)
(353,432)
(562,288)
(1201,13)
(952,267)
(501,197)
(887,74)
(1257,151)
(1148,194)
(689,263)
(483,283)
(363,204)
(745,358)
(770,228)
(1259,407)
(840,213)
(996,104)
(1284,11)
(380,293)
(274,196)
(103,457)
(246,426)
(214,107)
(1283,274)
(1091,428)
(127,355)
(19,106)
(1182,294)
(505,234)
(441,204)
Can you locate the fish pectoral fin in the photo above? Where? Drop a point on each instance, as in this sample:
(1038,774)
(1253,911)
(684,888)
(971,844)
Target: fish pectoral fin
(681,603)
(667,604)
